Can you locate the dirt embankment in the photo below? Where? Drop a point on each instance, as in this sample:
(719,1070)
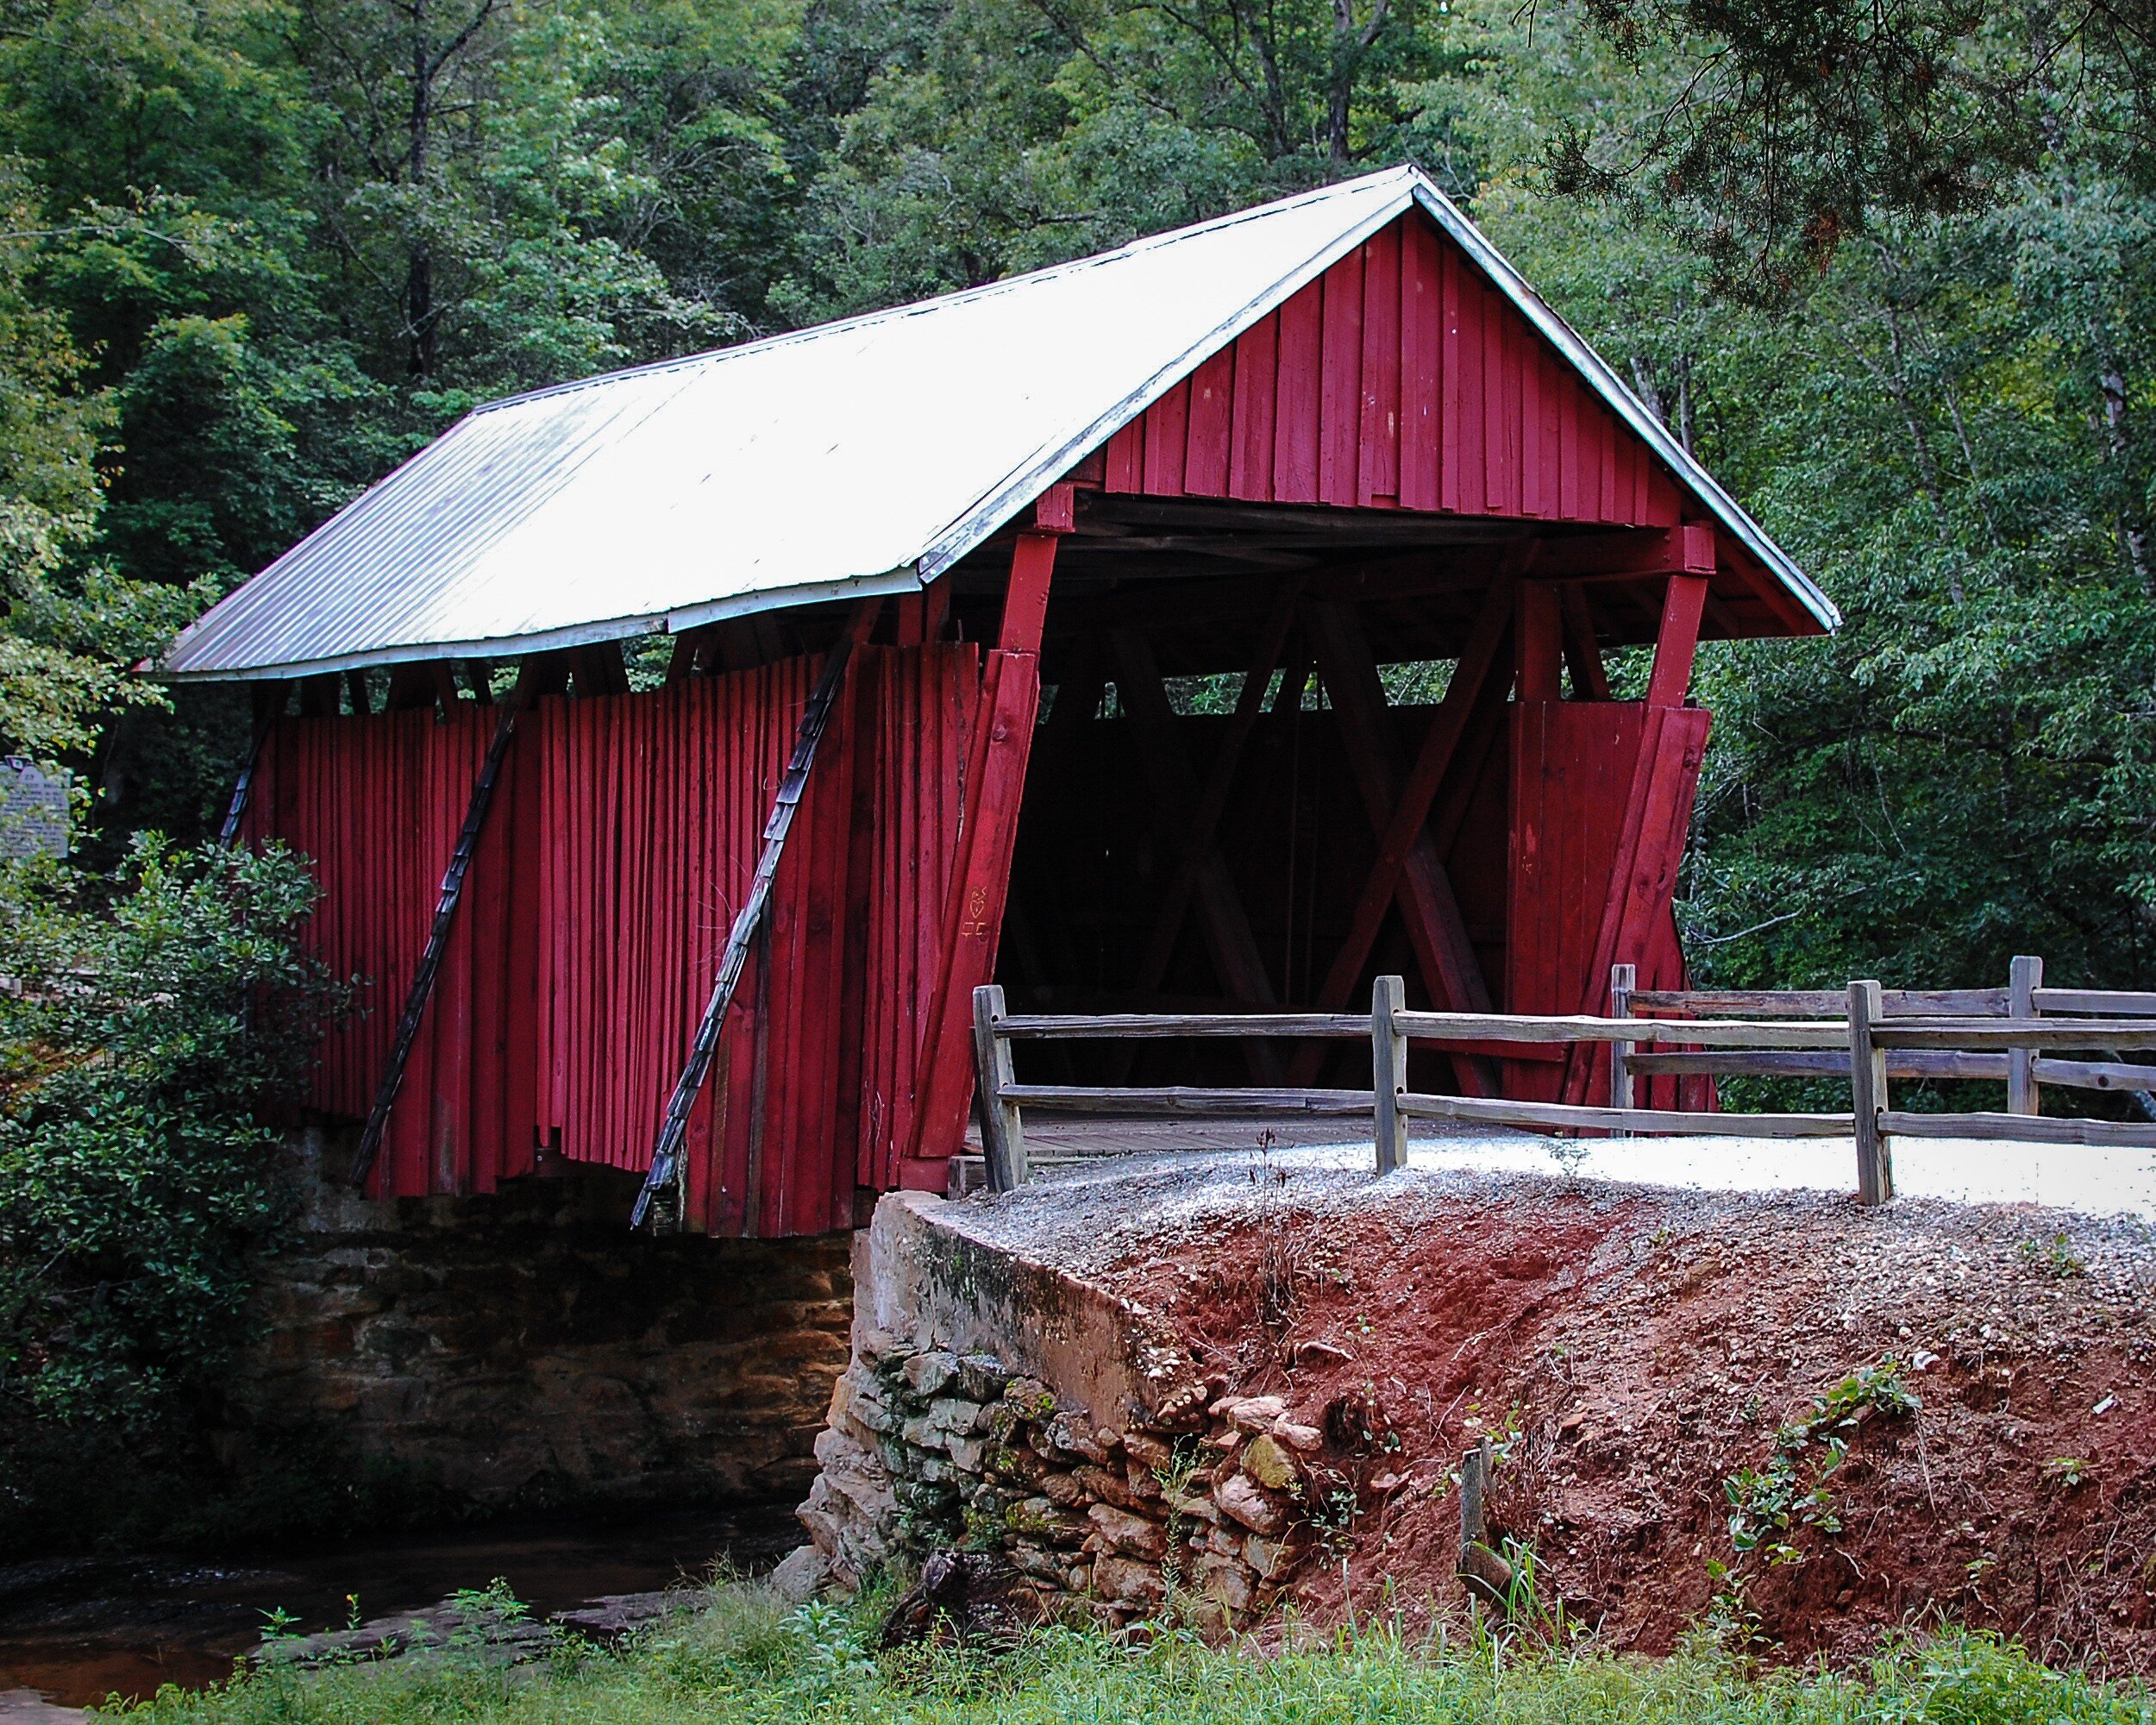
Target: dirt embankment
(1652,1365)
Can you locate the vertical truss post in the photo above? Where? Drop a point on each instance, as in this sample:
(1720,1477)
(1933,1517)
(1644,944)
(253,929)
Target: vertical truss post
(1389,1072)
(1662,777)
(2024,978)
(996,761)
(1868,1095)
(1002,1133)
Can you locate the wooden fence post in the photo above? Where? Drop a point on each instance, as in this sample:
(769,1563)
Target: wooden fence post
(1002,1135)
(1868,1095)
(1389,1072)
(2023,980)
(1623,979)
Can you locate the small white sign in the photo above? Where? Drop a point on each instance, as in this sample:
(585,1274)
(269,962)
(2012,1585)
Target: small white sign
(33,811)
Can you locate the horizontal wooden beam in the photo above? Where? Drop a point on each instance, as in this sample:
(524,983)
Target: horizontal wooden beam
(1712,1033)
(1824,1003)
(2117,1076)
(1688,550)
(2021,1128)
(2114,1077)
(1082,1098)
(1574,1117)
(2118,1002)
(1823,1064)
(1099,512)
(1256,554)
(1156,1025)
(1228,601)
(2101,1034)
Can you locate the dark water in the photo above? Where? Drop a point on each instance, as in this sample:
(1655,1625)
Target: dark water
(75,1631)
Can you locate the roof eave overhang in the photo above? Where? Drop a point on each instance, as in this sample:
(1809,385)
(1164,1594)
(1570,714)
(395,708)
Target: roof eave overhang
(1627,406)
(999,507)
(906,579)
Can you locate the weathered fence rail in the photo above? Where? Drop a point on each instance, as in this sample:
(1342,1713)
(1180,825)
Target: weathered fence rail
(1865,1034)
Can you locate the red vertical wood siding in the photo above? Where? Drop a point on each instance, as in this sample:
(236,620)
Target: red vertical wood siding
(1400,377)
(619,846)
(1572,767)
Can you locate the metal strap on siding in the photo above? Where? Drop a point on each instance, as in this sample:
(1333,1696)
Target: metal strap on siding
(666,1155)
(438,933)
(267,701)
(243,787)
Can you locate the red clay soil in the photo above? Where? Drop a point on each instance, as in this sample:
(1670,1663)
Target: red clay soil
(1640,1351)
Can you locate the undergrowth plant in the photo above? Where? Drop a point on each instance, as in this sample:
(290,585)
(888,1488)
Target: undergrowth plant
(1769,1505)
(748,1659)
(151,1023)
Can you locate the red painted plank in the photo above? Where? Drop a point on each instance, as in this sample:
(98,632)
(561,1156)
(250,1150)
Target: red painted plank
(1502,332)
(1378,466)
(448,1126)
(1555,381)
(1453,348)
(1466,403)
(1609,502)
(863,744)
(1167,437)
(1570,507)
(1301,371)
(1531,352)
(1340,383)
(1256,377)
(1212,417)
(1126,457)
(1421,367)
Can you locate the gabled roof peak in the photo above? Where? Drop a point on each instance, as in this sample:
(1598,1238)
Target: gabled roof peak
(860,456)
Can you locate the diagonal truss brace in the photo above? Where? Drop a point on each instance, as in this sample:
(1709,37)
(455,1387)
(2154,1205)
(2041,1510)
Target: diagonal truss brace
(665,1175)
(267,705)
(445,912)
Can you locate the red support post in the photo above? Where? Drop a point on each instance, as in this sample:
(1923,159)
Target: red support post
(1677,641)
(980,873)
(1539,643)
(1657,807)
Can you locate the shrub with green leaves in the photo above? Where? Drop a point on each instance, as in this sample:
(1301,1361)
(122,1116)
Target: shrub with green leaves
(744,1660)
(149,1025)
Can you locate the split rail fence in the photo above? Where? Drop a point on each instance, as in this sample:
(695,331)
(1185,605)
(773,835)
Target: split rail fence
(1866,1034)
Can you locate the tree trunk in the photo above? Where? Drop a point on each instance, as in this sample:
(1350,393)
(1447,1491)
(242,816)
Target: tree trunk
(419,312)
(1643,386)
(1349,46)
(2133,528)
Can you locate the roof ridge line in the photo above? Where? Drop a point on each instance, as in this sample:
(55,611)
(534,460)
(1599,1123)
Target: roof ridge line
(912,308)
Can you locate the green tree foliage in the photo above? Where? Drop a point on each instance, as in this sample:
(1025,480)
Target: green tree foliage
(1777,128)
(983,138)
(1942,416)
(142,1036)
(258,252)
(1889,270)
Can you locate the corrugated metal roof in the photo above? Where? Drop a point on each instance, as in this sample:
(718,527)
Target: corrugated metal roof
(858,457)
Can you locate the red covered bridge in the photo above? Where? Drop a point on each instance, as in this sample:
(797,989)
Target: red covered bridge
(1220,620)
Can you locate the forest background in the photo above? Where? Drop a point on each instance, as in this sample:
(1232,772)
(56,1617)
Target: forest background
(1890,272)
(1887,267)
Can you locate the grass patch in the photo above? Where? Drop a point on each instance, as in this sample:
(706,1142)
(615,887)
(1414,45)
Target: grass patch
(748,1659)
